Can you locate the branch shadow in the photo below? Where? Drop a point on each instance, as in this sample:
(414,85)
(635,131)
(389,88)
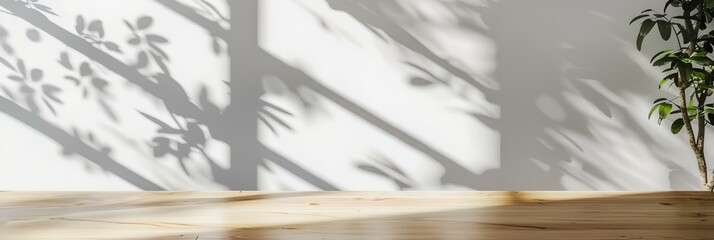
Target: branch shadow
(166,88)
(561,142)
(73,144)
(534,156)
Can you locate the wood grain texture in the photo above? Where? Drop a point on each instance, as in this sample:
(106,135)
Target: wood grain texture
(356,215)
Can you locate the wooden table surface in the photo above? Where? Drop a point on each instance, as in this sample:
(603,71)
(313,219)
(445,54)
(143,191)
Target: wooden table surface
(356,215)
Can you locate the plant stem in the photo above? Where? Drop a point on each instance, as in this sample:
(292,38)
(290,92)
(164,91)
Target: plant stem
(695,141)
(701,163)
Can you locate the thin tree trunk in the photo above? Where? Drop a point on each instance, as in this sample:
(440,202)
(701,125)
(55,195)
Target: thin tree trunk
(698,153)
(696,142)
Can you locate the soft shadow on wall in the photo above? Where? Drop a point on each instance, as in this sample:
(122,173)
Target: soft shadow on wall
(572,93)
(573,98)
(564,94)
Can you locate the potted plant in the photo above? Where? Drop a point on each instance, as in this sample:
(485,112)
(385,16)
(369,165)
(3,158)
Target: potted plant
(688,68)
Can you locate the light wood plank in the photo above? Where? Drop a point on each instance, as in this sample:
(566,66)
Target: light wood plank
(357,215)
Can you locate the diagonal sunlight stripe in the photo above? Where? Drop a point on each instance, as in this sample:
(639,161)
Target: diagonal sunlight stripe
(286,71)
(452,168)
(369,17)
(290,166)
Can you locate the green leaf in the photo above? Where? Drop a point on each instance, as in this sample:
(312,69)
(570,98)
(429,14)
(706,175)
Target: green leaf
(673,83)
(693,18)
(638,18)
(677,125)
(667,5)
(672,76)
(702,60)
(709,3)
(664,110)
(659,54)
(699,54)
(699,73)
(683,31)
(691,111)
(665,29)
(661,83)
(645,29)
(664,60)
(655,107)
(660,99)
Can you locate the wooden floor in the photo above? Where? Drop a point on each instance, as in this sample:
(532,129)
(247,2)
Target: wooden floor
(356,215)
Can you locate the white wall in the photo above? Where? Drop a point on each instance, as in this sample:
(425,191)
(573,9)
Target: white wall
(382,95)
